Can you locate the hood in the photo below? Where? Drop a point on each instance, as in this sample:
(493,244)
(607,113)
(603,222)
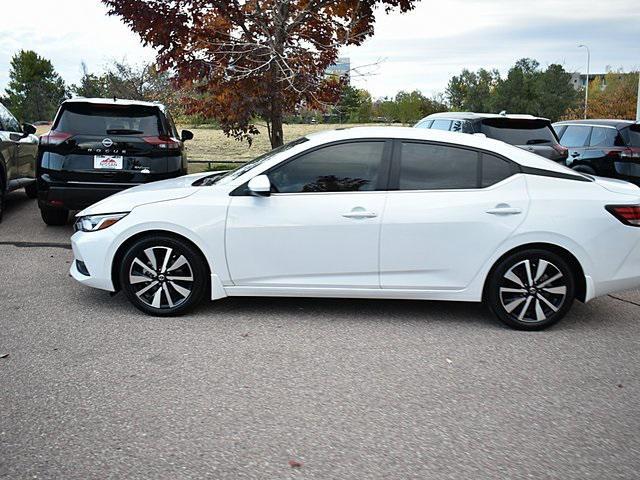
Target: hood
(153,192)
(617,186)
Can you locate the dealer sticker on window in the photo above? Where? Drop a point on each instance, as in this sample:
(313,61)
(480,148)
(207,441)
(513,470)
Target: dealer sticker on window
(108,161)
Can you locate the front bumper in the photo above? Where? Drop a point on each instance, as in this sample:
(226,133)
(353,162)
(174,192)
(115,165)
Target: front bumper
(92,249)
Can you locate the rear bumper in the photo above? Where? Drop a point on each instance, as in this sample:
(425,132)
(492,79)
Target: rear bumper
(78,195)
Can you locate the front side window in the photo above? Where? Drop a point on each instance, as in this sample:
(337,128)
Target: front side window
(437,167)
(424,124)
(575,136)
(631,135)
(8,122)
(345,167)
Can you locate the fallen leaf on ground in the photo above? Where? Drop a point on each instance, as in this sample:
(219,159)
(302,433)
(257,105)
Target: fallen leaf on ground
(295,464)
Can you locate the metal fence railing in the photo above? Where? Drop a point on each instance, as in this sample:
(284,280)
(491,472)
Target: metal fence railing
(209,163)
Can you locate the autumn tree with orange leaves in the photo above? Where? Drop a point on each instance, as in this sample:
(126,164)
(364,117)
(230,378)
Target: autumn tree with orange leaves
(243,59)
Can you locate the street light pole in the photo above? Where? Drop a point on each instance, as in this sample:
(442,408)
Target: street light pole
(586,89)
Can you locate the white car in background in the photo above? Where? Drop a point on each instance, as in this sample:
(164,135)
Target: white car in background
(371,213)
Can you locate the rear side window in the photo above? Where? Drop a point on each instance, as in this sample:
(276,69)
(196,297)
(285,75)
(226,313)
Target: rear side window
(437,167)
(345,167)
(441,124)
(519,131)
(100,120)
(575,136)
(605,137)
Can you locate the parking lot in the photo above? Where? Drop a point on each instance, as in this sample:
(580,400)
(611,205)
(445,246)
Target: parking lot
(91,388)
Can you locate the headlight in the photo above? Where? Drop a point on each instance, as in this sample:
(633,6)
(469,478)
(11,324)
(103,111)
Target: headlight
(93,223)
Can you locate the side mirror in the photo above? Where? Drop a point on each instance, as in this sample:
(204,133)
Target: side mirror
(260,186)
(28,129)
(186,135)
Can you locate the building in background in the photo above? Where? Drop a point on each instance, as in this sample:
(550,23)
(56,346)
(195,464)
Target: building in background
(579,80)
(341,69)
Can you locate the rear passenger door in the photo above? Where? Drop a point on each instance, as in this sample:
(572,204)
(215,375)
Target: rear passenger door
(450,210)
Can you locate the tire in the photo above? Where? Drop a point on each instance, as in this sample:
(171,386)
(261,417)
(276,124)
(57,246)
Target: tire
(31,190)
(2,203)
(584,169)
(144,276)
(54,216)
(534,304)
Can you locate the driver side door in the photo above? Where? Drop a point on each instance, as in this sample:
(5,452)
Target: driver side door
(320,226)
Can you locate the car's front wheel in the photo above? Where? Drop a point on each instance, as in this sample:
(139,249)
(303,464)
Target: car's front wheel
(163,276)
(531,290)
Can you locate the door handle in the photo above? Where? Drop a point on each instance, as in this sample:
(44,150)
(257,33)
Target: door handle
(575,154)
(359,214)
(504,211)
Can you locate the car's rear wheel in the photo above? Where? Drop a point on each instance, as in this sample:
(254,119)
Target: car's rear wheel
(531,289)
(163,276)
(54,216)
(31,190)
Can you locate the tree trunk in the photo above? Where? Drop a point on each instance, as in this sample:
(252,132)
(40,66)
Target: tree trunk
(277,135)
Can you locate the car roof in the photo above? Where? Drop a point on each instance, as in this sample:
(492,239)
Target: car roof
(598,122)
(480,116)
(114,101)
(476,141)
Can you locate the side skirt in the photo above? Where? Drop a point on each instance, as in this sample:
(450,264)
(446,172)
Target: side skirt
(447,295)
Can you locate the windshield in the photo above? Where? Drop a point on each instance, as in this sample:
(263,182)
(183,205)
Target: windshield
(519,131)
(233,174)
(94,119)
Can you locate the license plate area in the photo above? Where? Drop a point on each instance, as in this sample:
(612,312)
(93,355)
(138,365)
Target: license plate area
(108,162)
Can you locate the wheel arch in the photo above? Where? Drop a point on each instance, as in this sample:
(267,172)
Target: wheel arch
(124,246)
(570,258)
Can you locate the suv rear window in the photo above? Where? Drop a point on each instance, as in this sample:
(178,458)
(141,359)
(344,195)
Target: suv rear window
(519,131)
(94,119)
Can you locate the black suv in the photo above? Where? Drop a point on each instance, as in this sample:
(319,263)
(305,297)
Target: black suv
(18,150)
(607,148)
(530,133)
(97,147)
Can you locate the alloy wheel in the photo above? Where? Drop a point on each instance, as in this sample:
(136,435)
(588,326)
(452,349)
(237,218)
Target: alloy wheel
(532,290)
(162,278)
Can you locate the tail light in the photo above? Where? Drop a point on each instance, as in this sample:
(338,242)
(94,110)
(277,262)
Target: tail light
(563,151)
(54,138)
(631,153)
(627,214)
(163,141)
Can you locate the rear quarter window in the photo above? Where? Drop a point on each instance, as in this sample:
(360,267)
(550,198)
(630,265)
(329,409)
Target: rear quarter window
(93,119)
(631,135)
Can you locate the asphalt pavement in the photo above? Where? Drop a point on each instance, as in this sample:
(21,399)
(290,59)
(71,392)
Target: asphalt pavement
(270,388)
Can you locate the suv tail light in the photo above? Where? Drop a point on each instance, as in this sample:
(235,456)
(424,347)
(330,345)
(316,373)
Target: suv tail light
(163,141)
(54,138)
(630,153)
(564,151)
(627,214)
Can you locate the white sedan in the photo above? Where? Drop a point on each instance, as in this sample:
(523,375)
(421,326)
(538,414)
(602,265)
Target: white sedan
(371,213)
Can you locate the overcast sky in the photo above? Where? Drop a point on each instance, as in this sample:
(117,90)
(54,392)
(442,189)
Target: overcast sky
(418,50)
